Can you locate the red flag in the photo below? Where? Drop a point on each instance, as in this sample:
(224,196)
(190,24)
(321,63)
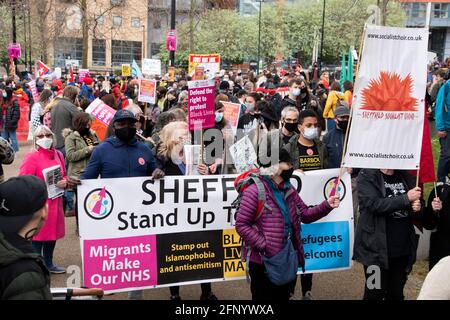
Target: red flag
(72,77)
(42,69)
(427,173)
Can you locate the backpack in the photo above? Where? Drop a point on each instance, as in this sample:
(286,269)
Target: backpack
(241,183)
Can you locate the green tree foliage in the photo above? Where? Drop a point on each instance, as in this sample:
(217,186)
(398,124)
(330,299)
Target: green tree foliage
(283,31)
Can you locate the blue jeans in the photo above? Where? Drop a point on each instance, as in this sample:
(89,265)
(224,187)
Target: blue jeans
(45,249)
(11,136)
(70,196)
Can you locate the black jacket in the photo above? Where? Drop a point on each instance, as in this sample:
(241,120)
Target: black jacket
(12,116)
(370,246)
(23,275)
(440,239)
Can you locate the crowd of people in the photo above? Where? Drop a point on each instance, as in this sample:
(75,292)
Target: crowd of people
(309,123)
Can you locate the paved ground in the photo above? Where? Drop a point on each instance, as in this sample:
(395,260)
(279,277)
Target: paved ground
(343,285)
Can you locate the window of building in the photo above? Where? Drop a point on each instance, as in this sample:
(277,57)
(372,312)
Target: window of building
(440,10)
(116,2)
(117,21)
(123,52)
(100,20)
(99,52)
(135,22)
(418,10)
(67,48)
(156,49)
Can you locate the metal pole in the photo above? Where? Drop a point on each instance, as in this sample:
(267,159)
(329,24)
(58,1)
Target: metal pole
(321,41)
(25,38)
(259,37)
(14,30)
(30,36)
(172,27)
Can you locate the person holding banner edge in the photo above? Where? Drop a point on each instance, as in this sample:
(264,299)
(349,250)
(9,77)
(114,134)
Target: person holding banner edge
(122,155)
(278,226)
(385,237)
(171,158)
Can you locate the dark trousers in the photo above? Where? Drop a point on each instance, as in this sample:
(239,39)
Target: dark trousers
(392,281)
(444,158)
(262,289)
(45,249)
(306,282)
(206,289)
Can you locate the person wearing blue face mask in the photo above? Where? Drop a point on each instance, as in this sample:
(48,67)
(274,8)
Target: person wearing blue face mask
(307,153)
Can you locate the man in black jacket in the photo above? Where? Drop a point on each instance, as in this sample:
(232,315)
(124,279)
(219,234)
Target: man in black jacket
(23,275)
(385,238)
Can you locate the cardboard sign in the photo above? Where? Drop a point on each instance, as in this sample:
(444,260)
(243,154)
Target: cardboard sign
(126,70)
(231,113)
(147,91)
(201,105)
(101,111)
(82,74)
(151,67)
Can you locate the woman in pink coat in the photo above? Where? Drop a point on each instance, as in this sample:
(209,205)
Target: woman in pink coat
(45,156)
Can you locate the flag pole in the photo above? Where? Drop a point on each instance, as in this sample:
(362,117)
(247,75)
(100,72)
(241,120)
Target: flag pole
(344,150)
(417,177)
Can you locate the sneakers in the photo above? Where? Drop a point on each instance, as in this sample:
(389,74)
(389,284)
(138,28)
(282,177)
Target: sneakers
(208,297)
(308,296)
(56,270)
(175,298)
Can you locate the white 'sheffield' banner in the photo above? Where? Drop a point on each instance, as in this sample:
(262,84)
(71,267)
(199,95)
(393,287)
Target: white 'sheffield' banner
(388,112)
(139,233)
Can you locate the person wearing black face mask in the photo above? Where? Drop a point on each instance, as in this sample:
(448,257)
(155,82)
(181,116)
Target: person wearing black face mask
(289,126)
(123,156)
(334,139)
(23,274)
(279,227)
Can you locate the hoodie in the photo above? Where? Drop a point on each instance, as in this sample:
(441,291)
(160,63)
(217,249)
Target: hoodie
(23,275)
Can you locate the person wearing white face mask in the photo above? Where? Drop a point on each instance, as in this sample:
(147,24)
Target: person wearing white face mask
(295,89)
(35,163)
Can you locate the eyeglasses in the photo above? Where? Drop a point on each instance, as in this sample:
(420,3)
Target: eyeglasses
(48,135)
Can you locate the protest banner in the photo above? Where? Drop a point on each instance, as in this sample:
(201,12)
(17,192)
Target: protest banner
(139,233)
(34,90)
(243,155)
(101,111)
(151,67)
(231,113)
(126,70)
(209,62)
(147,91)
(201,105)
(388,114)
(82,74)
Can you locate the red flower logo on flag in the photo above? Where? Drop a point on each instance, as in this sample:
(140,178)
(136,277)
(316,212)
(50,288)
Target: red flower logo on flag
(389,93)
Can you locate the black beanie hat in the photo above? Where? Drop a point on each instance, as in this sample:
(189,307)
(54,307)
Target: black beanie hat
(20,198)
